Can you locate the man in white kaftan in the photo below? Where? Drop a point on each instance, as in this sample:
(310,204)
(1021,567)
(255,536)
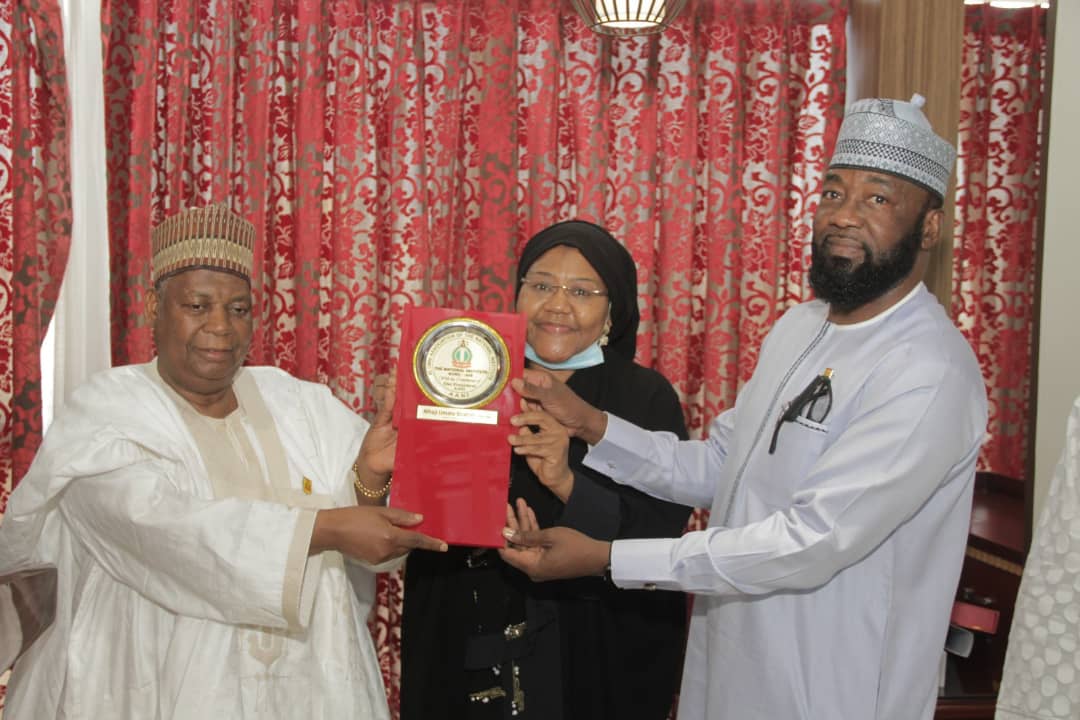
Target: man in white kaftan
(185,504)
(840,482)
(826,591)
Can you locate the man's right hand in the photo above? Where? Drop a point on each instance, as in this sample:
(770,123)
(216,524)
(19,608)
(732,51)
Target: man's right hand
(370,533)
(541,390)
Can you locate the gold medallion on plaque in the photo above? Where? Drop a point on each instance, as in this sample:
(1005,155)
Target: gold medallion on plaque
(461,363)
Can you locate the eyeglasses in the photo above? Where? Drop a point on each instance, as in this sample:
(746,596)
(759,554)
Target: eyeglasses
(576,293)
(813,404)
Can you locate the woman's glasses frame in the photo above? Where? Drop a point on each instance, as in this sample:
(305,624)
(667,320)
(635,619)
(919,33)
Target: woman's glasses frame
(575,293)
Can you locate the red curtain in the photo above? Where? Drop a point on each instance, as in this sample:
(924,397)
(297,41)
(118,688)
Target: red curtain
(997,206)
(35,217)
(402,151)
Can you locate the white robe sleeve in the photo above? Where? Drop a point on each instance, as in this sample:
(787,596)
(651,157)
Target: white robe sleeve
(881,469)
(224,559)
(661,465)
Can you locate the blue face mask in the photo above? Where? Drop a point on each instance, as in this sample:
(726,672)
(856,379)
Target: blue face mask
(588,357)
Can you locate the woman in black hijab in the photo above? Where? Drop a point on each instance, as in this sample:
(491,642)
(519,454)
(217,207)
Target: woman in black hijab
(479,639)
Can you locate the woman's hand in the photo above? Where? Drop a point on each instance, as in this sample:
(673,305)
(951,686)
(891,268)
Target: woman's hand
(551,554)
(544,444)
(524,520)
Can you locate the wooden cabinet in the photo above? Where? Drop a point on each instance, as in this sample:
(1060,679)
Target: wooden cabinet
(991,577)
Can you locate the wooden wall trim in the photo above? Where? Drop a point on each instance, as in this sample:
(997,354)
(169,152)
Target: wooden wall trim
(898,48)
(1036,310)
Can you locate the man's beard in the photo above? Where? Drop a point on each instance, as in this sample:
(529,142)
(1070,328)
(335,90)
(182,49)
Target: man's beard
(846,286)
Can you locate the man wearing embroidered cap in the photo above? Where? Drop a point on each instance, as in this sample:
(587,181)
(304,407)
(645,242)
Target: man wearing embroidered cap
(214,527)
(840,482)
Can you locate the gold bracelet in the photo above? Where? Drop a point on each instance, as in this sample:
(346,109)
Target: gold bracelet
(365,490)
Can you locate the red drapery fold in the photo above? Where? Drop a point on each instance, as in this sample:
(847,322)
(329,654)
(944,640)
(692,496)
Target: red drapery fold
(402,151)
(997,207)
(35,217)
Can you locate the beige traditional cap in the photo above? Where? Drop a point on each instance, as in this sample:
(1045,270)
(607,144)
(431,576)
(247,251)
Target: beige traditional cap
(894,136)
(211,237)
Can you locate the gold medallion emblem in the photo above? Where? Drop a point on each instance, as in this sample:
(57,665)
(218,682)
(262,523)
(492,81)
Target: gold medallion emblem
(461,363)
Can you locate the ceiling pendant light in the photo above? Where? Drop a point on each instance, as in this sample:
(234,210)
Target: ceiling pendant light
(628,17)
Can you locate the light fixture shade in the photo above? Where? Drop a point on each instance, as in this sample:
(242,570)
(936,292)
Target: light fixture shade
(628,17)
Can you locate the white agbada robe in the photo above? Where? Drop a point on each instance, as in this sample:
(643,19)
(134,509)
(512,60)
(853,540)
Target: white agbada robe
(825,579)
(181,594)
(1041,678)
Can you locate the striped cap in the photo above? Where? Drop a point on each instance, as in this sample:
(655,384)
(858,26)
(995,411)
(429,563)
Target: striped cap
(895,137)
(211,237)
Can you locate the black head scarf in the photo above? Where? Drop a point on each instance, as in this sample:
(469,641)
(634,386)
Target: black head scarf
(612,263)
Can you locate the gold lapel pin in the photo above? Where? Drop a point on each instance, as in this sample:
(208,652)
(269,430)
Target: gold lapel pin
(307,486)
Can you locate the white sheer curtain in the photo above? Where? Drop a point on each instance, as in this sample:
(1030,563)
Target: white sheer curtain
(78,342)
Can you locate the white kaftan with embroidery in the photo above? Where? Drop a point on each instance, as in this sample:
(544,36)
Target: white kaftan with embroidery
(185,592)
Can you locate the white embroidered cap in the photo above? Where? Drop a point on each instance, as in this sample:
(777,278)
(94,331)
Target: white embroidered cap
(895,137)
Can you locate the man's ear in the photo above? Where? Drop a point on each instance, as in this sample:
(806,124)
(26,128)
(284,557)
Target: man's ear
(150,307)
(931,228)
